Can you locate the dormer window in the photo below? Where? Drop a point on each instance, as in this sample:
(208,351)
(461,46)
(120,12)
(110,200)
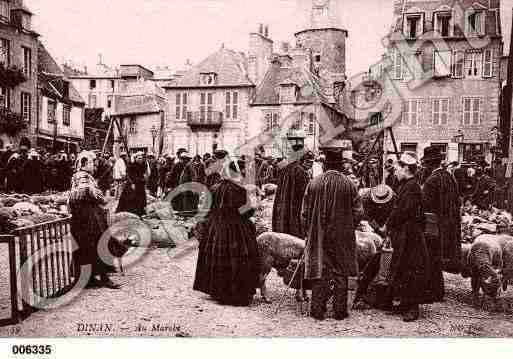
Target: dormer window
(209,78)
(5,11)
(475,24)
(414,25)
(443,23)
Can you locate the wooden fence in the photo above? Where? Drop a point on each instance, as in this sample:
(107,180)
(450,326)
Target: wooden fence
(53,272)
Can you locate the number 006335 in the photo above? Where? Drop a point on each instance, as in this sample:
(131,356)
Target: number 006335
(23,350)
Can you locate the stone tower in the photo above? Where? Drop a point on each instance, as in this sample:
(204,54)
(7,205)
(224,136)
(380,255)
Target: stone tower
(326,40)
(260,53)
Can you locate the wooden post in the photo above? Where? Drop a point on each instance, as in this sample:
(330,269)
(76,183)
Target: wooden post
(107,135)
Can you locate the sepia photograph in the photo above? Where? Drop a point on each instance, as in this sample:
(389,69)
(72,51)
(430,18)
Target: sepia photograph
(322,169)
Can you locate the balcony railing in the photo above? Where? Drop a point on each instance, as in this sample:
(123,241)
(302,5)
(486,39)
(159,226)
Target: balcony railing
(198,119)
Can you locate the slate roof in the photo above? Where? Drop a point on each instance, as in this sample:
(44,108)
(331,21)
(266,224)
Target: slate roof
(267,92)
(230,66)
(51,78)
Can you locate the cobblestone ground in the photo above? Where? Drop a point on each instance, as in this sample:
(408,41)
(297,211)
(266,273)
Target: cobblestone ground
(157,300)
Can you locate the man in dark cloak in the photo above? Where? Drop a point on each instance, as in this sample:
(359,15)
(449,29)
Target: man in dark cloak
(178,200)
(484,193)
(292,182)
(33,174)
(153,180)
(176,172)
(331,210)
(193,172)
(441,197)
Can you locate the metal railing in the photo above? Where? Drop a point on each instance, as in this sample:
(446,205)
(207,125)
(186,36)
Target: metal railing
(205,119)
(54,271)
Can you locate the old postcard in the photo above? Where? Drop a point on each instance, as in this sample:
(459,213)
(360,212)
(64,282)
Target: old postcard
(255,169)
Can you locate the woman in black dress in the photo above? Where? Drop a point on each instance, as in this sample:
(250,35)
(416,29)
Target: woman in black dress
(410,265)
(227,266)
(133,197)
(89,219)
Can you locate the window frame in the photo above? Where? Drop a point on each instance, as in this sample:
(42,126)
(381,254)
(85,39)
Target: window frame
(407,146)
(92,84)
(408,113)
(132,125)
(440,111)
(443,14)
(5,54)
(5,15)
(185,99)
(489,73)
(472,112)
(53,118)
(66,115)
(26,106)
(472,31)
(438,55)
(476,63)
(5,95)
(419,29)
(458,64)
(27,61)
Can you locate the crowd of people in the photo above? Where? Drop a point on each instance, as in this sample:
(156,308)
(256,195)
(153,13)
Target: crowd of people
(25,170)
(416,208)
(415,205)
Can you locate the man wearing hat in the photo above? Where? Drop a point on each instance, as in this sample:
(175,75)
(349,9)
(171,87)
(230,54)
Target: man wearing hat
(484,192)
(371,176)
(119,172)
(331,210)
(292,182)
(16,167)
(441,198)
(176,173)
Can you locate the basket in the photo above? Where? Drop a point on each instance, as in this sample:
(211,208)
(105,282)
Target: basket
(384,265)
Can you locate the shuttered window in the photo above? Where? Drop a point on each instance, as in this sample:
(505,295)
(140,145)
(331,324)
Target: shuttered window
(488,63)
(472,109)
(440,111)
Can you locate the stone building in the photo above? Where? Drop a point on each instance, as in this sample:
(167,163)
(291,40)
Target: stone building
(141,107)
(443,63)
(60,124)
(209,105)
(97,85)
(300,94)
(18,73)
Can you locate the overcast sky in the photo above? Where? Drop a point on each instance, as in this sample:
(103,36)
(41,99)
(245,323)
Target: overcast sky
(168,32)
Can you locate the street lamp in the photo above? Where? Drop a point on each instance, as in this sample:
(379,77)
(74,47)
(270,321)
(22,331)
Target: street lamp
(154,133)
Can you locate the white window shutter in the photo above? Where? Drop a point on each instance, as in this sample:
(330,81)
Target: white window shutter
(481,111)
(488,63)
(419,112)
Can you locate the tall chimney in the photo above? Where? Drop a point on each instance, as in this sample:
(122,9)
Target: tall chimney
(261,28)
(266,34)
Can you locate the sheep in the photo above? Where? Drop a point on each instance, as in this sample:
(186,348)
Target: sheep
(489,263)
(279,250)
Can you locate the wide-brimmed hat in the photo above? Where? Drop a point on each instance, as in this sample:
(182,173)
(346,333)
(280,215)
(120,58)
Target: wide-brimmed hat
(409,158)
(432,153)
(381,194)
(220,154)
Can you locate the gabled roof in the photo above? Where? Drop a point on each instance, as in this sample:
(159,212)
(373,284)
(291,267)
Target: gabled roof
(311,86)
(51,78)
(230,66)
